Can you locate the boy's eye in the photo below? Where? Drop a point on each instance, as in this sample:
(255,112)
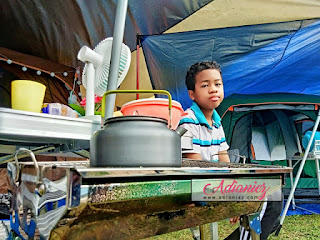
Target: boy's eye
(218,84)
(205,85)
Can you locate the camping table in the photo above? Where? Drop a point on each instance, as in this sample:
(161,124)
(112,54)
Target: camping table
(290,197)
(22,128)
(298,159)
(123,203)
(62,136)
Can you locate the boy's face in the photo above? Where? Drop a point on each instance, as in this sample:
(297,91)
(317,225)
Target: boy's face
(208,92)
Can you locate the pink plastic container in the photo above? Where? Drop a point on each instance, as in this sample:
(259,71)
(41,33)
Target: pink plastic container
(156,107)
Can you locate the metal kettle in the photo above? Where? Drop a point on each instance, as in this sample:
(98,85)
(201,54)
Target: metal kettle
(136,141)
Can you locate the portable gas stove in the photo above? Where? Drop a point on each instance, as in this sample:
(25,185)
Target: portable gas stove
(70,200)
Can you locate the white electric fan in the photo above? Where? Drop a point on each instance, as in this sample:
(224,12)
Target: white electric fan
(96,71)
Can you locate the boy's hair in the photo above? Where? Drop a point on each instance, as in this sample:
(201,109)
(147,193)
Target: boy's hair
(196,68)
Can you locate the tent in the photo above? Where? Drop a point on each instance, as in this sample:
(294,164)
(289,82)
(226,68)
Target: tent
(45,37)
(273,117)
(268,129)
(279,38)
(54,31)
(257,59)
(263,46)
(264,63)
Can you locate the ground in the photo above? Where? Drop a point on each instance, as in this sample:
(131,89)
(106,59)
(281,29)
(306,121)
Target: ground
(299,227)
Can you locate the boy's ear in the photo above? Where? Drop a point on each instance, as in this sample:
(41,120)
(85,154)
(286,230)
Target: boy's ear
(191,94)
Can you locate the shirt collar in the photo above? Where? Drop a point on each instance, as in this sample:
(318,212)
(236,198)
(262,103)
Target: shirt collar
(202,119)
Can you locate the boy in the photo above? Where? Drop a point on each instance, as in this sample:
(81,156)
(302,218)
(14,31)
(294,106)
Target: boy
(205,88)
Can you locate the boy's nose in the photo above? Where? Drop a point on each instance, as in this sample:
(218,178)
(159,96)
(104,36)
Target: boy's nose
(212,88)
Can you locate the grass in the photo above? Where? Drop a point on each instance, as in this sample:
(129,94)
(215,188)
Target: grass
(302,227)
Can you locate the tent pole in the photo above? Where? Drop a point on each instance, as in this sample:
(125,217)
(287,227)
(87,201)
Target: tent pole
(284,213)
(118,33)
(137,64)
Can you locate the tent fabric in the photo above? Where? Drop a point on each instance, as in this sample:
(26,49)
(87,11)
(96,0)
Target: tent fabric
(56,91)
(257,59)
(286,52)
(224,14)
(269,131)
(275,136)
(56,87)
(231,13)
(244,126)
(239,126)
(273,106)
(289,133)
(56,30)
(274,141)
(272,98)
(266,133)
(260,144)
(308,176)
(295,102)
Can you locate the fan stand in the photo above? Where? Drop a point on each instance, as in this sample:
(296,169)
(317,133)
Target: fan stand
(90,91)
(98,57)
(93,60)
(90,95)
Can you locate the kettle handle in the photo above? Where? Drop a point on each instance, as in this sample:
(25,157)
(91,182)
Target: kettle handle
(103,102)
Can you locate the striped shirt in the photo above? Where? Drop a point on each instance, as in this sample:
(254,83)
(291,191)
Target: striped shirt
(207,140)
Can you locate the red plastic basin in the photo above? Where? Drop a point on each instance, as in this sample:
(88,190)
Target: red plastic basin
(156,107)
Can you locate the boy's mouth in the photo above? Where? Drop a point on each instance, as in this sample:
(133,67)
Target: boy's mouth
(214,98)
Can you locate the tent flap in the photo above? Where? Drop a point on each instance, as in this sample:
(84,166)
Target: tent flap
(256,59)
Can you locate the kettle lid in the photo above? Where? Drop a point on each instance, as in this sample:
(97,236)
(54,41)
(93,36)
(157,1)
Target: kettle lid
(135,118)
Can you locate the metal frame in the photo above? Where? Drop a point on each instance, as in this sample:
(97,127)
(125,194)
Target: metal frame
(109,190)
(284,213)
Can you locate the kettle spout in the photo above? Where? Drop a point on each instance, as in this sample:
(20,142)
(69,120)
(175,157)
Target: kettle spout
(181,131)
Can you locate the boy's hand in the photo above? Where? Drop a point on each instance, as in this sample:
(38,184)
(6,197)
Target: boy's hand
(234,220)
(223,156)
(193,156)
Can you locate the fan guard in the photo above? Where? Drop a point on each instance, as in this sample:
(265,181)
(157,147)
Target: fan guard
(102,72)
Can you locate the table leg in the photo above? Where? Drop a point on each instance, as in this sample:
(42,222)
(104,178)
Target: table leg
(318,173)
(203,235)
(291,181)
(214,231)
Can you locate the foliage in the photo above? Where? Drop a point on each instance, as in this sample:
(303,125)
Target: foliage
(302,227)
(81,109)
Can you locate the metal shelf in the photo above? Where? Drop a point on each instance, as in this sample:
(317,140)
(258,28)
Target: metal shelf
(27,127)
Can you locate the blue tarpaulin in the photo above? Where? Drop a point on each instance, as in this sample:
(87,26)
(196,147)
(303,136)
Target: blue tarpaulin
(304,207)
(257,59)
